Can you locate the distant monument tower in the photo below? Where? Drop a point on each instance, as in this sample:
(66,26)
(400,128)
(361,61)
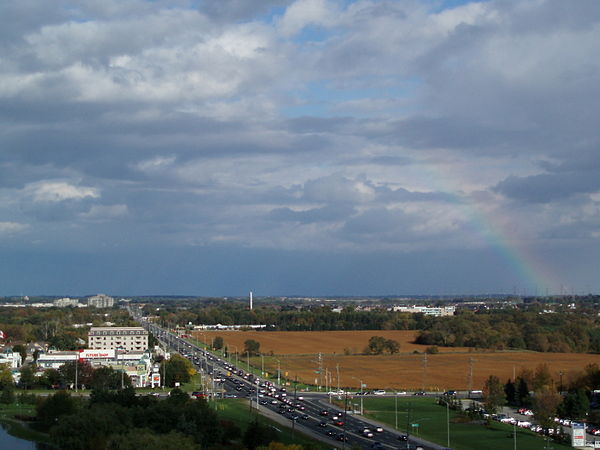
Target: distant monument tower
(250,300)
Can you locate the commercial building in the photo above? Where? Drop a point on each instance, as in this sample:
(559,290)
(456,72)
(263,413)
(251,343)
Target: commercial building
(101,301)
(65,302)
(126,338)
(137,365)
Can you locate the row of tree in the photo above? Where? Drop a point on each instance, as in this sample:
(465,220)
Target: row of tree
(524,327)
(121,420)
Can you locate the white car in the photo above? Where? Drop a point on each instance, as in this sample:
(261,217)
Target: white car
(379,392)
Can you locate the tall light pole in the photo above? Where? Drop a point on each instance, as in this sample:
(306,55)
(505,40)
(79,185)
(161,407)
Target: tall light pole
(236,354)
(278,373)
(262,365)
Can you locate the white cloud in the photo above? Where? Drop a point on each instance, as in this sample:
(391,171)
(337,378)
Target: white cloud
(12,227)
(58,191)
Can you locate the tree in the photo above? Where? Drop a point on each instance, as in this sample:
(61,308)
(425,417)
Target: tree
(542,377)
(177,370)
(545,404)
(252,347)
(218,343)
(143,438)
(20,348)
(7,396)
(392,346)
(575,405)
(27,377)
(6,378)
(493,394)
(523,395)
(257,435)
(52,407)
(511,393)
(376,345)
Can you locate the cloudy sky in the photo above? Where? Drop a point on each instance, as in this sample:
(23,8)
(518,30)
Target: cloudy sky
(311,147)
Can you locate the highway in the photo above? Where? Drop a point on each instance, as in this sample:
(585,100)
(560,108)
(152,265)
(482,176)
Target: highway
(310,413)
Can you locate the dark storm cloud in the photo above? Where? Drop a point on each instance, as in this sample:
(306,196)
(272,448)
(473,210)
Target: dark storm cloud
(546,188)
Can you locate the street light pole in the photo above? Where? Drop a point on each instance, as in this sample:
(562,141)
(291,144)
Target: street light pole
(278,373)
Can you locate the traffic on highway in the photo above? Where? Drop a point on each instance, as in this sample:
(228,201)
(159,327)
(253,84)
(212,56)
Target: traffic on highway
(310,413)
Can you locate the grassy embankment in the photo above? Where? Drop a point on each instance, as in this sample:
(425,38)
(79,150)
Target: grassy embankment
(432,421)
(238,412)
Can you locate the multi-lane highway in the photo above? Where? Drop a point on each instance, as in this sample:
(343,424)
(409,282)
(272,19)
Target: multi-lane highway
(310,413)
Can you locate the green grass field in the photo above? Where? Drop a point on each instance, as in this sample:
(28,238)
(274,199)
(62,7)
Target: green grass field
(432,425)
(237,411)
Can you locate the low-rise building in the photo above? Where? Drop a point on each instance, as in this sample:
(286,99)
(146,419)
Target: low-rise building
(427,310)
(11,359)
(137,365)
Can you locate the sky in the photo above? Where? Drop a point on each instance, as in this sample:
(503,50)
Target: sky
(299,147)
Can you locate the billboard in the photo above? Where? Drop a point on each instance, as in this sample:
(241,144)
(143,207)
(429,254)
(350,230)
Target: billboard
(578,434)
(96,354)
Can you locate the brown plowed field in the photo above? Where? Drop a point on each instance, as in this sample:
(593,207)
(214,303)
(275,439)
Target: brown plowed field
(298,356)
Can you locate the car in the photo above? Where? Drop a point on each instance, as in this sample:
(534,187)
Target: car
(322,424)
(367,433)
(379,392)
(304,416)
(342,437)
(379,429)
(419,393)
(324,412)
(339,423)
(403,437)
(450,393)
(330,433)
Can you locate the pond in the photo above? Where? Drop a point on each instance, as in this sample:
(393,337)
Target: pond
(10,442)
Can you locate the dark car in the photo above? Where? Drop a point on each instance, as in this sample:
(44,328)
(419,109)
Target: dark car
(323,424)
(342,437)
(324,412)
(403,437)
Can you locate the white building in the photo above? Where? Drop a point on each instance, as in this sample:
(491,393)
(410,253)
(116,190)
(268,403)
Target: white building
(126,338)
(64,302)
(101,301)
(137,365)
(427,310)
(11,359)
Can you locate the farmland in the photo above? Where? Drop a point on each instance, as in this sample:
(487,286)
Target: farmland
(297,353)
